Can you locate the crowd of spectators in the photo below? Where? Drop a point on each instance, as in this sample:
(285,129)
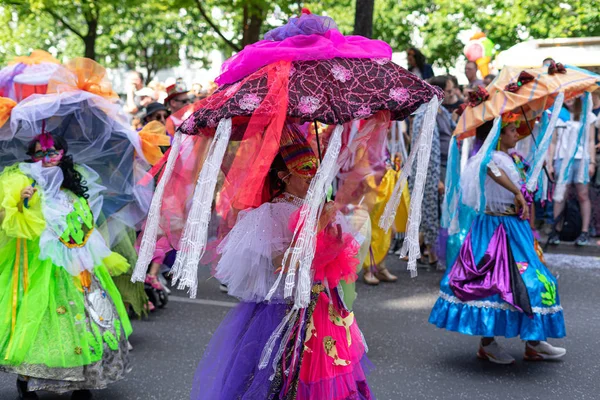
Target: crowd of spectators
(159,101)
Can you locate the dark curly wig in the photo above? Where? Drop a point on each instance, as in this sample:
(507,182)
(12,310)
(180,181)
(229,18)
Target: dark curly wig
(73,180)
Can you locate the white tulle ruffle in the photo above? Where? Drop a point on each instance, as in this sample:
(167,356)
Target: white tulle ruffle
(247,252)
(57,204)
(74,260)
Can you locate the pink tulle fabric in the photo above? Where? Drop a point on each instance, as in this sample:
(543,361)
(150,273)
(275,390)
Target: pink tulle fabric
(365,156)
(178,196)
(330,45)
(336,250)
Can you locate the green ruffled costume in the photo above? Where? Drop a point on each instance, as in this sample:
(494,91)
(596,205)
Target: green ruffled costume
(65,332)
(133,294)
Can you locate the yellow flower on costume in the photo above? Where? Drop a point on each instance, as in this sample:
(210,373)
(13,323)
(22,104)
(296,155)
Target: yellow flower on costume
(153,135)
(6,106)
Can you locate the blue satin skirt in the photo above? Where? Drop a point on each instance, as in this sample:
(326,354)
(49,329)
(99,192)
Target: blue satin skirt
(491,316)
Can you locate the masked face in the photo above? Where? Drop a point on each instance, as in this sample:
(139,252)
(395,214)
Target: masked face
(306,169)
(50,157)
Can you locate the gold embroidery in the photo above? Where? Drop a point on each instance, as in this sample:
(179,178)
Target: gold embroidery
(331,350)
(318,288)
(346,323)
(78,350)
(61,310)
(75,245)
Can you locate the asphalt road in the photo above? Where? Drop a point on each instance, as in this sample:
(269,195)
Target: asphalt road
(413,359)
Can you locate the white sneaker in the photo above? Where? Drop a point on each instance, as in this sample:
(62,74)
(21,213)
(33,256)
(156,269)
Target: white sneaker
(129,346)
(495,353)
(223,288)
(543,351)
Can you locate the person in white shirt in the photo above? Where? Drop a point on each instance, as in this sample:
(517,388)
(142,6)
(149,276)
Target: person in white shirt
(567,133)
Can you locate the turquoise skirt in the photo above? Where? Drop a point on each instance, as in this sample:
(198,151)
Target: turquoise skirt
(491,316)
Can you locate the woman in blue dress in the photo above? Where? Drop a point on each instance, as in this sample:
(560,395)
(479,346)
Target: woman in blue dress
(499,285)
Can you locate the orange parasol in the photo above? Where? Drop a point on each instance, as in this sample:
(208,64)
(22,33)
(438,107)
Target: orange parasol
(527,92)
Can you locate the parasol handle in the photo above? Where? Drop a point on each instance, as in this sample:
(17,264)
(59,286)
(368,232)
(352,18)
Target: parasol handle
(318,141)
(26,201)
(535,142)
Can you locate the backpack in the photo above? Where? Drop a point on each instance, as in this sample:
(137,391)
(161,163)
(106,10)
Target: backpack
(571,217)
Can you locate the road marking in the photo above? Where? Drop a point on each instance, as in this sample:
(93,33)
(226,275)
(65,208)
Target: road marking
(206,302)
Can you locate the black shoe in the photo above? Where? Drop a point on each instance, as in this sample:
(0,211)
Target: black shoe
(23,392)
(554,239)
(583,239)
(81,395)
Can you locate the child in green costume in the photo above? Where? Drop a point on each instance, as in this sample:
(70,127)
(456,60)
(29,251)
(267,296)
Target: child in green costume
(64,327)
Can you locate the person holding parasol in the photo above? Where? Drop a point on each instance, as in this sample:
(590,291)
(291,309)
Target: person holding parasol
(284,249)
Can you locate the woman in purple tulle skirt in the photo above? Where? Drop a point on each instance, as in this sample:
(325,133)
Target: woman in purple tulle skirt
(269,349)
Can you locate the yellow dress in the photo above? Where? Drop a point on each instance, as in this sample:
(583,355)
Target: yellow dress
(380,195)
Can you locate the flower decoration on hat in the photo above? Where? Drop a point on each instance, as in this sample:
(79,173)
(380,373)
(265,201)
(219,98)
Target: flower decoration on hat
(478,96)
(523,79)
(82,74)
(555,67)
(461,109)
(47,152)
(36,57)
(511,118)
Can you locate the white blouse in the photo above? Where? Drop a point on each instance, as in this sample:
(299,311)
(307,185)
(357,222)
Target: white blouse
(496,196)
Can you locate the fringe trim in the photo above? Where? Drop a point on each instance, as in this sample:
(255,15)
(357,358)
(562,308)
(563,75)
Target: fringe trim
(148,244)
(498,305)
(195,232)
(421,152)
(567,163)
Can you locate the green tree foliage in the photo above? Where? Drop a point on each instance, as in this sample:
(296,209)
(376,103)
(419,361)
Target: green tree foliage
(238,23)
(505,22)
(148,34)
(151,35)
(154,36)
(21,34)
(81,18)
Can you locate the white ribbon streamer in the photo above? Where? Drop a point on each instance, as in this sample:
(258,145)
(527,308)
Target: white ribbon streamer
(195,232)
(299,258)
(420,152)
(411,246)
(148,244)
